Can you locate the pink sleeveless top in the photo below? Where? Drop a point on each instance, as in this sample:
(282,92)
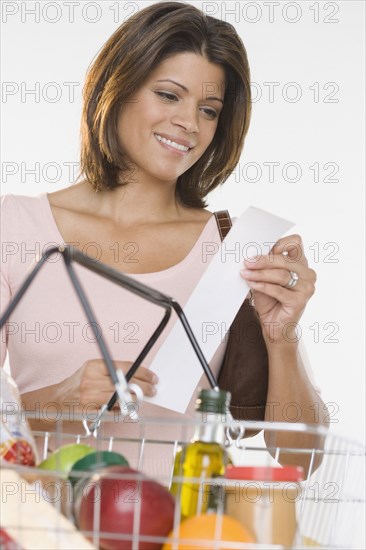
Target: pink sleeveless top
(48,336)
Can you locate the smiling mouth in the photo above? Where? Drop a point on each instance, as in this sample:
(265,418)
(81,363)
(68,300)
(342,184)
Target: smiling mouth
(174,145)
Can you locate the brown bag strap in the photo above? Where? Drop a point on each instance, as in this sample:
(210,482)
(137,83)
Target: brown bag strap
(224,222)
(224,225)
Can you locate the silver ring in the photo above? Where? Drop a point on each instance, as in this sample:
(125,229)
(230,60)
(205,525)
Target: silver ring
(293,281)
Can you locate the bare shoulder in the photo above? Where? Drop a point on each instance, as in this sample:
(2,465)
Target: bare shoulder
(191,215)
(199,215)
(73,198)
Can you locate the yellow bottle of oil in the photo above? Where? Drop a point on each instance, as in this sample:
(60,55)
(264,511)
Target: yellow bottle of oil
(204,458)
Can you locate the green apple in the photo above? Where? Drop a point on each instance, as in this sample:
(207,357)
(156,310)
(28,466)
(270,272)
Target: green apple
(62,460)
(93,463)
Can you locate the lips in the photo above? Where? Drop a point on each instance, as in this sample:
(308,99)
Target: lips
(175,148)
(176,139)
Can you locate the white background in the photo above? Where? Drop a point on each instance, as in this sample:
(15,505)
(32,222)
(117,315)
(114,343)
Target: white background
(317,46)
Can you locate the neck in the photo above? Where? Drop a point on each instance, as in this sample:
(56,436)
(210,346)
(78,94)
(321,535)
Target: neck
(211,431)
(139,202)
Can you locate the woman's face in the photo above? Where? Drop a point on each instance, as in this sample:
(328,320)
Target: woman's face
(172,118)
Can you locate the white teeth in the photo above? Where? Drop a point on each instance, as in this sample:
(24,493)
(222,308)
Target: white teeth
(172,143)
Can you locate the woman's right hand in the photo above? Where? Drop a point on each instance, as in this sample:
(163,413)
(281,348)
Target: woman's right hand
(85,391)
(91,386)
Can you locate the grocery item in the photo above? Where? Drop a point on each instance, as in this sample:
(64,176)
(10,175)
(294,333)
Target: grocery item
(204,458)
(307,542)
(16,440)
(264,500)
(63,459)
(30,520)
(53,474)
(120,503)
(208,528)
(94,462)
(7,542)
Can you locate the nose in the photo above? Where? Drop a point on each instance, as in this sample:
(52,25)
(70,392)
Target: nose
(186,117)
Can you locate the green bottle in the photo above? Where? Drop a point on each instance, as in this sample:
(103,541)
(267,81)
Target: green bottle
(204,457)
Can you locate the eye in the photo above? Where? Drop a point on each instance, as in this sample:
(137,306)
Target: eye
(166,96)
(210,113)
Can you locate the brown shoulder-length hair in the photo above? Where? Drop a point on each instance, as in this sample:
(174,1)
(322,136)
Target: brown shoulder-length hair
(121,67)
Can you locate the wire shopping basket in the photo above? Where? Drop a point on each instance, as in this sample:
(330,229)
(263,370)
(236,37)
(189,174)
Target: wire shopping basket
(324,510)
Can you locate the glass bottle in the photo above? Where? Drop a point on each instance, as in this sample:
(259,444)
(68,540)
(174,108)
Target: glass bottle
(204,457)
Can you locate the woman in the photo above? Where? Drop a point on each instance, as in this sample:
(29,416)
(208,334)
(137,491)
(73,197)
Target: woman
(166,110)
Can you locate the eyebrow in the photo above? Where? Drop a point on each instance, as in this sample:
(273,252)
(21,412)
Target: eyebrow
(186,89)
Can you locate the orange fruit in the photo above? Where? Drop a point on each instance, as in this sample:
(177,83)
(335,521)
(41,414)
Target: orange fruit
(208,528)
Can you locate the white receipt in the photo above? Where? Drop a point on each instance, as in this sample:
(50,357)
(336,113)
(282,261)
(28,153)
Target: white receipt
(213,303)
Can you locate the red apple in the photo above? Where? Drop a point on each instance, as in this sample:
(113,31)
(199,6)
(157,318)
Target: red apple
(111,501)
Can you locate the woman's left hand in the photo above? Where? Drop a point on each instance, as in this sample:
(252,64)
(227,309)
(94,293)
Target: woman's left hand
(280,306)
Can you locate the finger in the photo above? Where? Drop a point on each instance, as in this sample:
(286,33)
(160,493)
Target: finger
(284,295)
(96,369)
(146,375)
(96,386)
(147,388)
(142,373)
(292,248)
(275,276)
(93,397)
(144,378)
(278,261)
(306,277)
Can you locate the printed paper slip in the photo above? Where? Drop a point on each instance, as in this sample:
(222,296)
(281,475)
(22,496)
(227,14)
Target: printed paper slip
(213,303)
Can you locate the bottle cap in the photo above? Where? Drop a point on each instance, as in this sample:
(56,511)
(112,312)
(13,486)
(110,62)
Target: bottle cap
(213,401)
(262,473)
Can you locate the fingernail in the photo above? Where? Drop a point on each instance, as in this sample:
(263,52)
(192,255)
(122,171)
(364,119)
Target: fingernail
(154,391)
(245,272)
(155,379)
